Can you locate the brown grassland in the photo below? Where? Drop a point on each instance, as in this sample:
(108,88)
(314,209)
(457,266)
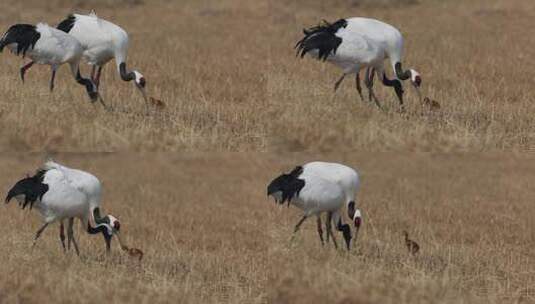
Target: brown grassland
(198,57)
(474,60)
(210,235)
(227,73)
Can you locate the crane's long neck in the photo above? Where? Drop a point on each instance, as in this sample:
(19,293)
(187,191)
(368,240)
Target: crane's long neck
(126,75)
(99,229)
(402,75)
(98,218)
(75,70)
(351,209)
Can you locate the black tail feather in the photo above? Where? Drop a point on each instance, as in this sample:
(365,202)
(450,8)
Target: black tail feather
(322,38)
(67,24)
(24,35)
(288,184)
(32,188)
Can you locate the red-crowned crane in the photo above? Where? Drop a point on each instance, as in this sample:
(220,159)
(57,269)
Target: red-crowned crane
(46,45)
(356,43)
(314,195)
(61,193)
(344,176)
(102,41)
(387,34)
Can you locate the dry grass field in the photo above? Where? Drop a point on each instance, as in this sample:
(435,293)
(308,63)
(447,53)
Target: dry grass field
(240,108)
(210,235)
(228,75)
(199,57)
(177,209)
(473,57)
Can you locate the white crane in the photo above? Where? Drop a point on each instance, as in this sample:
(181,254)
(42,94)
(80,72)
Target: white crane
(314,195)
(356,43)
(61,193)
(385,34)
(347,178)
(102,41)
(49,46)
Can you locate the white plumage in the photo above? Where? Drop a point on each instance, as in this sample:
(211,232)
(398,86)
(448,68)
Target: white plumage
(345,177)
(60,193)
(314,195)
(85,182)
(49,46)
(318,195)
(392,41)
(357,43)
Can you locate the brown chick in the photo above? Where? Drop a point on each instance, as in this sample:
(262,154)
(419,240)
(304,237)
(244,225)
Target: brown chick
(412,246)
(134,252)
(432,104)
(157,102)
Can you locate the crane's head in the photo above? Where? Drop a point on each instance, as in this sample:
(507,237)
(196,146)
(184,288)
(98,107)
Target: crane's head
(113,227)
(416,79)
(114,223)
(139,79)
(140,82)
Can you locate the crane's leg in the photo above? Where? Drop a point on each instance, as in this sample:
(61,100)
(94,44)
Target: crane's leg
(39,232)
(24,68)
(298,226)
(330,230)
(359,87)
(62,235)
(54,69)
(367,83)
(97,79)
(70,236)
(93,71)
(338,82)
(320,230)
(327,228)
(370,76)
(300,223)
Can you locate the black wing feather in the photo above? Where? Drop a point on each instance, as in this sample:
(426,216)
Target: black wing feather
(32,188)
(67,24)
(322,38)
(289,184)
(24,35)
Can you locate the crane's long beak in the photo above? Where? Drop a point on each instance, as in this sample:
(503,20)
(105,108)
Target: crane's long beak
(143,93)
(418,92)
(118,235)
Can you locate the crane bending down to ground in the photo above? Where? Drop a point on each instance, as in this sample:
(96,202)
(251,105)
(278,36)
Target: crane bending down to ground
(314,195)
(356,43)
(46,45)
(61,193)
